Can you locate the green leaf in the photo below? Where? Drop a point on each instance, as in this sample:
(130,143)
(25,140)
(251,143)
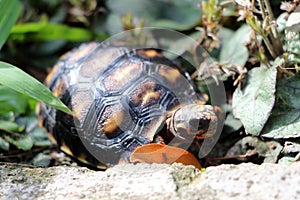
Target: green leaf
(42,31)
(170,24)
(10,126)
(176,14)
(9,13)
(39,137)
(285,119)
(35,132)
(144,8)
(18,80)
(231,124)
(23,142)
(4,144)
(254,103)
(293,47)
(225,34)
(12,101)
(234,49)
(113,24)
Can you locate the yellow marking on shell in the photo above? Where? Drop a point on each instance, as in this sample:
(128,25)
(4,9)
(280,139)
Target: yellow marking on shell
(122,75)
(149,53)
(149,96)
(59,88)
(66,149)
(81,103)
(113,122)
(99,61)
(52,139)
(144,94)
(64,55)
(101,166)
(200,102)
(40,121)
(200,108)
(83,158)
(122,162)
(170,74)
(51,74)
(82,52)
(37,112)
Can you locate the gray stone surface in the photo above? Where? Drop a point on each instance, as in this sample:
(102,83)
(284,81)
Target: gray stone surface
(143,181)
(246,181)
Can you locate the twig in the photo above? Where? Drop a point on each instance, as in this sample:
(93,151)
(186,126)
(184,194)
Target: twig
(276,41)
(266,18)
(262,8)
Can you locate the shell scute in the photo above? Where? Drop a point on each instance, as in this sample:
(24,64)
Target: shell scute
(122,74)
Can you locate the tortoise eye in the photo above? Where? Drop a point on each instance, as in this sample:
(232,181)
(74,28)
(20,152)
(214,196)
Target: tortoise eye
(198,124)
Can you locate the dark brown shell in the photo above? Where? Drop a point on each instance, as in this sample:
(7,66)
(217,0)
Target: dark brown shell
(120,99)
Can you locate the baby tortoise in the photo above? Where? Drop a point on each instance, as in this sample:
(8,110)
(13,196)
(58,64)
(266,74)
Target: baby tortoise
(122,100)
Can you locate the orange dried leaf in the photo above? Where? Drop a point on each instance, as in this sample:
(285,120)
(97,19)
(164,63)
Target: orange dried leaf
(159,153)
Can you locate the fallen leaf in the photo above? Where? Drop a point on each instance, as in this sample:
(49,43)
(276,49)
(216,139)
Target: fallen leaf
(159,153)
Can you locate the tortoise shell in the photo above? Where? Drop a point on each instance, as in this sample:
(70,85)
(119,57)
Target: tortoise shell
(121,98)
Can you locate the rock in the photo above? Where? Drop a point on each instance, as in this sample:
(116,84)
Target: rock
(155,181)
(246,181)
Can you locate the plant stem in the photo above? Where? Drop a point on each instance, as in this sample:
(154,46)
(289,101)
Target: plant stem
(269,9)
(276,40)
(275,46)
(262,8)
(269,46)
(265,38)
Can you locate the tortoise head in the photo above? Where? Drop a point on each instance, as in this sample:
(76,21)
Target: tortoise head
(193,120)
